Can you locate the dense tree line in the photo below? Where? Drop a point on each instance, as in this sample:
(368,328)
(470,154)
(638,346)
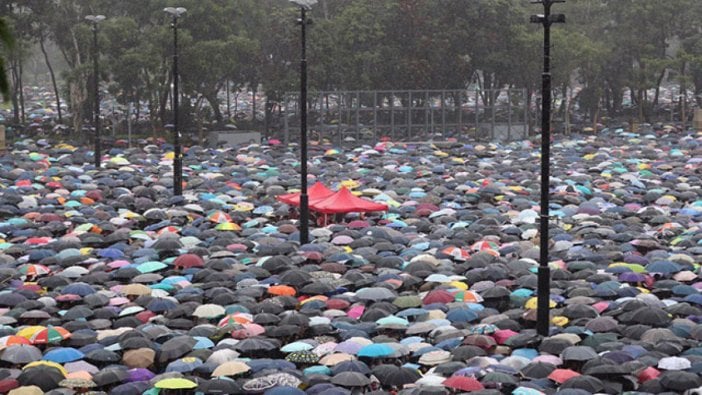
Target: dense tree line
(609,49)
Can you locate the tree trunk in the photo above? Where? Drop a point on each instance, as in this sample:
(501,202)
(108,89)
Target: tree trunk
(78,92)
(53,77)
(21,90)
(253,105)
(658,87)
(15,94)
(214,103)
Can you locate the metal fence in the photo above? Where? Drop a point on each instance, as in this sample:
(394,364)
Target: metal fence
(368,116)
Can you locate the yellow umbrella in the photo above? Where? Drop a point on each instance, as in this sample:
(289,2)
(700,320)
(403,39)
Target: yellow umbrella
(349,184)
(175,384)
(228,226)
(244,206)
(531,303)
(29,331)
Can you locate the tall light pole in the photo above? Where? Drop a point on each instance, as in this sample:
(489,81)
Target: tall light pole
(305,5)
(95,20)
(544,274)
(178,156)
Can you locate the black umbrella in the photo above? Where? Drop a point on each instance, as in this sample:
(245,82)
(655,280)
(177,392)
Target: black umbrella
(110,376)
(21,354)
(554,346)
(102,356)
(135,388)
(537,370)
(351,366)
(584,382)
(220,386)
(578,353)
(678,380)
(175,348)
(351,379)
(44,377)
(282,331)
(254,345)
(391,375)
(648,315)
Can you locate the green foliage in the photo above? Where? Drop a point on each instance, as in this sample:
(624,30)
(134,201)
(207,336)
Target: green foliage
(606,46)
(7,41)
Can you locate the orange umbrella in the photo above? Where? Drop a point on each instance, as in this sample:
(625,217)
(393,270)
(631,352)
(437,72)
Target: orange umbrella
(282,290)
(11,340)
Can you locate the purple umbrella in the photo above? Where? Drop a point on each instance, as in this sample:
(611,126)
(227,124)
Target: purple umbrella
(632,277)
(140,374)
(348,347)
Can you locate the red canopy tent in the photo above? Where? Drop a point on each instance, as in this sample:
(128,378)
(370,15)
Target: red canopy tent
(345,202)
(315,192)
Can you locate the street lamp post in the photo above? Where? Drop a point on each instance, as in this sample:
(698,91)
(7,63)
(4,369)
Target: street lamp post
(178,156)
(95,19)
(544,286)
(305,5)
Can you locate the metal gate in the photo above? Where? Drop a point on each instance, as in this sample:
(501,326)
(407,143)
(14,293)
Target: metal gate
(351,117)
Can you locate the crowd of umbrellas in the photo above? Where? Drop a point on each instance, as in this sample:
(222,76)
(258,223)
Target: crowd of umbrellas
(112,285)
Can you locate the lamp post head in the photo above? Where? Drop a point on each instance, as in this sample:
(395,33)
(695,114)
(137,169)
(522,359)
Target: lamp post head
(95,18)
(306,4)
(175,11)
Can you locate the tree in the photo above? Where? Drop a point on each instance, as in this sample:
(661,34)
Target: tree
(7,42)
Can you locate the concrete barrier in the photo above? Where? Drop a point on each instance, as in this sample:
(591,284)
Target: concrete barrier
(233,137)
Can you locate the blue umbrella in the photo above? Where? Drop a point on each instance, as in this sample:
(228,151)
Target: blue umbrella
(696,299)
(412,312)
(376,351)
(184,365)
(317,369)
(449,344)
(461,315)
(258,365)
(285,391)
(160,305)
(111,253)
(202,343)
(63,355)
(80,289)
(664,267)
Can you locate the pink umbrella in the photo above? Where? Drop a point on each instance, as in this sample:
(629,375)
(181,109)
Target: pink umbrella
(601,306)
(552,359)
(118,301)
(117,264)
(356,312)
(502,335)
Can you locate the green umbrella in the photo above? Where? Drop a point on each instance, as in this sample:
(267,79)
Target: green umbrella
(175,384)
(407,301)
(151,266)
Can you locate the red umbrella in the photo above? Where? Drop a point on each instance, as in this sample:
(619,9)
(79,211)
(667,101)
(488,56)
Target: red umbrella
(187,261)
(649,373)
(438,296)
(463,383)
(337,304)
(7,385)
(560,376)
(358,224)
